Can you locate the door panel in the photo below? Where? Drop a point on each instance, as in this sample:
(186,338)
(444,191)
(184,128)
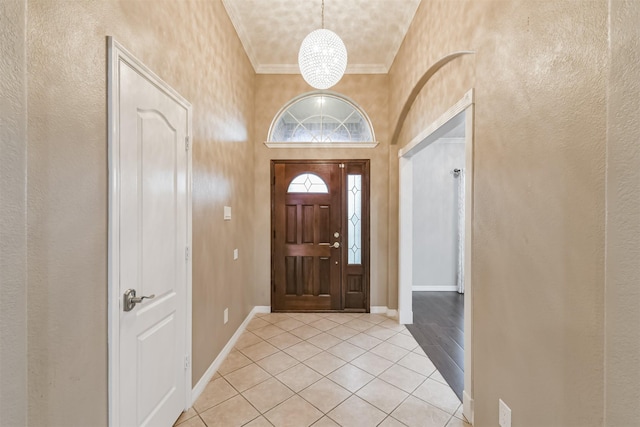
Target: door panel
(153,206)
(308,272)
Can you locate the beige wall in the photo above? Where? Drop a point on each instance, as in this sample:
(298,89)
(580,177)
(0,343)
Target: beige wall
(538,264)
(542,92)
(370,92)
(622,292)
(193,46)
(13,242)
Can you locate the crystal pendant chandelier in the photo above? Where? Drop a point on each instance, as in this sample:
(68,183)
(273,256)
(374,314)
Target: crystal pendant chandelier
(322,57)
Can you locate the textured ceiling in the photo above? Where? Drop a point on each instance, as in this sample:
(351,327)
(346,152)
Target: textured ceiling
(271,31)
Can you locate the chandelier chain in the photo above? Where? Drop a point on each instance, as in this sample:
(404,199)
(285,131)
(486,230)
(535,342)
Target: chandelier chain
(323,14)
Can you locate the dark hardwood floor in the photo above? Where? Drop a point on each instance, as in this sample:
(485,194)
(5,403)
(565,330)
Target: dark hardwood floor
(438,326)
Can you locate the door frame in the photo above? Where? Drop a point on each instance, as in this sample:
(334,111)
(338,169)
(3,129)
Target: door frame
(116,54)
(366,239)
(405,246)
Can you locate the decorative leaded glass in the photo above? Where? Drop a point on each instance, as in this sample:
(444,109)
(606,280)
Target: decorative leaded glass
(354,218)
(321,118)
(307,183)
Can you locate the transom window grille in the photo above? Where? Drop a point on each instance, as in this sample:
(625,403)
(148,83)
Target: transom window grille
(354,218)
(307,183)
(321,118)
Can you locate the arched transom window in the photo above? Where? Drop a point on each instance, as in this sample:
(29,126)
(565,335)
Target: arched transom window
(321,118)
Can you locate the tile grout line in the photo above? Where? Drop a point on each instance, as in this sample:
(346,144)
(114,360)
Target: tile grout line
(396,331)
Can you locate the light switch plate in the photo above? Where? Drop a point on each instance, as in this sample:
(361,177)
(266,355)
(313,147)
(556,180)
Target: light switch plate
(226,315)
(227,213)
(235,254)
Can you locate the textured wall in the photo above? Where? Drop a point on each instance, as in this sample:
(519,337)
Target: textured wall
(538,252)
(370,92)
(13,242)
(192,46)
(435,213)
(622,294)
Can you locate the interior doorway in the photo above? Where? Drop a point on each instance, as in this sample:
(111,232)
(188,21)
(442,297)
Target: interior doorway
(320,235)
(459,118)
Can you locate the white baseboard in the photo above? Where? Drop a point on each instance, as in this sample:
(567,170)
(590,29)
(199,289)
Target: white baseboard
(434,288)
(262,309)
(405,317)
(467,406)
(381,309)
(210,372)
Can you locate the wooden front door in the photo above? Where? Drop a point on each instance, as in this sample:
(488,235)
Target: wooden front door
(316,265)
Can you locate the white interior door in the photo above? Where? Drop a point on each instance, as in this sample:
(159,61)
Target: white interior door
(151,235)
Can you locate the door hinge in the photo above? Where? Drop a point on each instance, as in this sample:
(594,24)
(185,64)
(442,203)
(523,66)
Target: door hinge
(274,234)
(186,143)
(187,362)
(341,165)
(186,253)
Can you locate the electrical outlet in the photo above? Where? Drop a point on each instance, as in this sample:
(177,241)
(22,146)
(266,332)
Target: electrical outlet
(226,315)
(235,254)
(504,414)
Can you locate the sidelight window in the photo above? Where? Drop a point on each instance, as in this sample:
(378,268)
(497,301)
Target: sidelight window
(354,218)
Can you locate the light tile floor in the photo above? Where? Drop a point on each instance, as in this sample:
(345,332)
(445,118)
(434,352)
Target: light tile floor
(325,369)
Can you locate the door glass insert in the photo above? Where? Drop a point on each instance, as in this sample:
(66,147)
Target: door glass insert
(307,183)
(354,218)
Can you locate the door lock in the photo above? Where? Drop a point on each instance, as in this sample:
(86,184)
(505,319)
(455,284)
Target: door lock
(336,245)
(130,299)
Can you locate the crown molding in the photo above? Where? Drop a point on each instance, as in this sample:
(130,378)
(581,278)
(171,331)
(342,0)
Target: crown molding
(234,17)
(294,69)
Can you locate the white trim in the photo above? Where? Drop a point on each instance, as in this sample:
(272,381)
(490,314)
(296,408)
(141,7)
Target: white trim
(434,288)
(215,365)
(189,314)
(405,317)
(116,53)
(381,309)
(467,406)
(434,131)
(468,254)
(113,266)
(405,241)
(321,145)
(457,108)
(243,35)
(277,68)
(295,68)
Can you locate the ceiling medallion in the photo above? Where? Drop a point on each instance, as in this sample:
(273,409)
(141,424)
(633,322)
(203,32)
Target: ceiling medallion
(322,57)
